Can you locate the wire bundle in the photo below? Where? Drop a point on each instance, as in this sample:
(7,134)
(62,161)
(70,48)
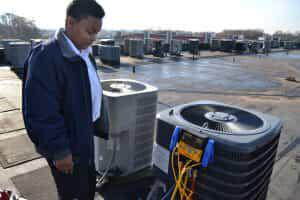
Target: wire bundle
(181,179)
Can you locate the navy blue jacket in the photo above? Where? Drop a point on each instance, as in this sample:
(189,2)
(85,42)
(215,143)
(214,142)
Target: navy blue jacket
(57,108)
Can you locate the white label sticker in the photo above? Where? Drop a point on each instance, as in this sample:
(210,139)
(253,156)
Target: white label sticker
(161,158)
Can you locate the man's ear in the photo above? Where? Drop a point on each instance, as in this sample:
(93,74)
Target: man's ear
(70,22)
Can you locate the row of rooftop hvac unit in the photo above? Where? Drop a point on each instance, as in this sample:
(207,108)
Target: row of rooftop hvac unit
(137,48)
(239,46)
(228,45)
(229,151)
(15,51)
(290,45)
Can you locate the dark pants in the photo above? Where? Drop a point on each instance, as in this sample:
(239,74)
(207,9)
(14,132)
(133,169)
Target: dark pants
(81,185)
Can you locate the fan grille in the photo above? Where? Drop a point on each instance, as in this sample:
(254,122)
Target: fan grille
(122,86)
(222,118)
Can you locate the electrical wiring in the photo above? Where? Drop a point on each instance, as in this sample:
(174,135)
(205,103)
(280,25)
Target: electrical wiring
(174,172)
(168,193)
(193,185)
(189,168)
(179,164)
(179,186)
(178,182)
(172,163)
(184,188)
(184,170)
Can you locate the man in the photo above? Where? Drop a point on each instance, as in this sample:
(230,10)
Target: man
(62,98)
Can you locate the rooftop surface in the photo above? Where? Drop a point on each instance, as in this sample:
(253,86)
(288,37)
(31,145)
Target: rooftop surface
(254,82)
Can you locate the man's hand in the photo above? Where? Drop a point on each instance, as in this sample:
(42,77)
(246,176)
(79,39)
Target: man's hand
(65,165)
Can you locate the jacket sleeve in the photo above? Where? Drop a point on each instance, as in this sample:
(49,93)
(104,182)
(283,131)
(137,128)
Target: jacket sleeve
(42,96)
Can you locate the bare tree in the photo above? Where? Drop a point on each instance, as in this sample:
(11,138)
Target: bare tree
(288,36)
(13,26)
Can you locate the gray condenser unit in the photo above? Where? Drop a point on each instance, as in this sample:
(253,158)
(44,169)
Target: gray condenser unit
(5,43)
(148,47)
(110,54)
(131,108)
(18,53)
(2,55)
(176,47)
(245,146)
(136,48)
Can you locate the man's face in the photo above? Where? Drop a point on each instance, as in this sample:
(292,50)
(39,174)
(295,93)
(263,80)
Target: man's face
(83,32)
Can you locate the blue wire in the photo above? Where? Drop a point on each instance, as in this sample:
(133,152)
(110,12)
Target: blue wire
(168,193)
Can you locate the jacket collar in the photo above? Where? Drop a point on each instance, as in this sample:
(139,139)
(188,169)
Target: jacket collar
(68,49)
(65,48)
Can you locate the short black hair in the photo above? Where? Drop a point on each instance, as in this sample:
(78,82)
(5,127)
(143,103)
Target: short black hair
(79,9)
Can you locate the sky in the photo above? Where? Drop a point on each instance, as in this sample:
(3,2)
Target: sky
(189,15)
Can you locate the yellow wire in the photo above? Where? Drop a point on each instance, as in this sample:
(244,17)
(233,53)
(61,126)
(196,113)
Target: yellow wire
(179,165)
(174,173)
(181,190)
(191,192)
(185,182)
(181,187)
(172,163)
(178,182)
(183,172)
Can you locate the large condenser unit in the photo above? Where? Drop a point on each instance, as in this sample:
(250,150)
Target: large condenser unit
(245,145)
(95,50)
(136,48)
(255,47)
(215,44)
(227,45)
(110,54)
(131,109)
(2,55)
(18,53)
(240,46)
(148,47)
(288,45)
(266,46)
(126,47)
(158,50)
(176,47)
(5,43)
(194,46)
